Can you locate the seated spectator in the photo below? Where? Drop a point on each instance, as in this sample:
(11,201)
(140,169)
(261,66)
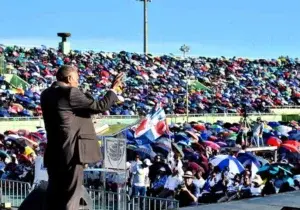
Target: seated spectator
(269,188)
(297,182)
(172,183)
(257,186)
(199,181)
(156,166)
(285,187)
(159,182)
(188,192)
(245,188)
(232,189)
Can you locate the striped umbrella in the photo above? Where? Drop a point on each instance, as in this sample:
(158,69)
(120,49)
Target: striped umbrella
(231,162)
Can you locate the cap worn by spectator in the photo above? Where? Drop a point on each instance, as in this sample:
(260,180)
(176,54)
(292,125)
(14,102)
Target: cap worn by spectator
(188,174)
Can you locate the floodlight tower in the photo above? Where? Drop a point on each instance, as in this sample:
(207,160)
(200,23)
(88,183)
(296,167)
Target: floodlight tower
(145,25)
(185,49)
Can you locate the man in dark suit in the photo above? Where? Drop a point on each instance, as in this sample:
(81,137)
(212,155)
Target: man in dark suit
(72,141)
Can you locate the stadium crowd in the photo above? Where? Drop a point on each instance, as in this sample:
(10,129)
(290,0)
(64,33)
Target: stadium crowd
(218,85)
(195,163)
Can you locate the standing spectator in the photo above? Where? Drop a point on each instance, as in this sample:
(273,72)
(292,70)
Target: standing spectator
(140,178)
(257,133)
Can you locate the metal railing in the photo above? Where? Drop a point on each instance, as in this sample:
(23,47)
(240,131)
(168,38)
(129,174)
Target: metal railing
(285,107)
(137,117)
(14,192)
(104,200)
(149,203)
(19,118)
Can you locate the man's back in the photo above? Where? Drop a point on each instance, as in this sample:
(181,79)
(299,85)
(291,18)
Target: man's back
(63,124)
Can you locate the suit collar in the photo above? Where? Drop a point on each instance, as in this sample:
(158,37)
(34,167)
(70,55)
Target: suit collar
(58,84)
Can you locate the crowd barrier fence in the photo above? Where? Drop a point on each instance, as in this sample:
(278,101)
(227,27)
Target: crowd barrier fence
(14,192)
(104,200)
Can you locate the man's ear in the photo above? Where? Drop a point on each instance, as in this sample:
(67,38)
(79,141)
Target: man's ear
(69,79)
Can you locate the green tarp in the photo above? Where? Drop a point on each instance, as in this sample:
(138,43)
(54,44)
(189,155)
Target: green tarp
(16,81)
(196,85)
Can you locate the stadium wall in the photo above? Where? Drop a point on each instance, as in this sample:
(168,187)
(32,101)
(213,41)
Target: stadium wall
(32,123)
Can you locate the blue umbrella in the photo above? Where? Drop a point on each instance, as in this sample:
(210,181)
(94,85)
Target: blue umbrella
(223,161)
(145,150)
(4,113)
(28,93)
(248,158)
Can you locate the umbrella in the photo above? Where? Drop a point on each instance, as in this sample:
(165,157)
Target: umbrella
(292,142)
(3,154)
(146,150)
(199,127)
(262,161)
(161,148)
(193,135)
(131,147)
(192,166)
(248,158)
(290,147)
(178,149)
(284,130)
(273,141)
(273,169)
(27,141)
(212,145)
(221,144)
(231,162)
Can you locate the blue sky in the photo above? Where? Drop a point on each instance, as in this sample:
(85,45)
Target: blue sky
(256,28)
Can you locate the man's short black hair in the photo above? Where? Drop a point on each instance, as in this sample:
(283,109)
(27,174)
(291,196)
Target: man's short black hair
(63,72)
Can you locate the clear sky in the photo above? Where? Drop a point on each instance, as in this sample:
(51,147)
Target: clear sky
(253,28)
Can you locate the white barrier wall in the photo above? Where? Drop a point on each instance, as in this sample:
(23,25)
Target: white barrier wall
(31,124)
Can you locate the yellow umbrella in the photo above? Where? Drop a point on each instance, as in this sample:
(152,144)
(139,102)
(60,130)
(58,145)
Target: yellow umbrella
(28,151)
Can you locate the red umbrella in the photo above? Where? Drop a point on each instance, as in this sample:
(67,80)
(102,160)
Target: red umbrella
(211,144)
(198,147)
(273,141)
(199,127)
(292,142)
(290,147)
(212,138)
(195,167)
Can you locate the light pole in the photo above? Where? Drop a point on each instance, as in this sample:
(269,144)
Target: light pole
(185,49)
(145,25)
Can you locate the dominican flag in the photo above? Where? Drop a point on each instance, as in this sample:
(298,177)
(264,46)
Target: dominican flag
(152,126)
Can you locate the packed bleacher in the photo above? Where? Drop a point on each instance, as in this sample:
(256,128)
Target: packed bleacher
(218,85)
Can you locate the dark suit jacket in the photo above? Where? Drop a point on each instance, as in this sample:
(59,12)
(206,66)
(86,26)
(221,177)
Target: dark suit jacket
(70,130)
